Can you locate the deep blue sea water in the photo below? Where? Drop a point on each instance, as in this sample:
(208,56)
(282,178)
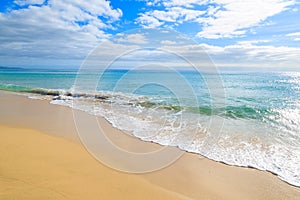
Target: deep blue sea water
(249,119)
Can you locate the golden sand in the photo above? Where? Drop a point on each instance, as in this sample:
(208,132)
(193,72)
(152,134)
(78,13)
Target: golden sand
(39,166)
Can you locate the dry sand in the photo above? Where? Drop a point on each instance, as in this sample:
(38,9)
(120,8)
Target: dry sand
(42,158)
(38,166)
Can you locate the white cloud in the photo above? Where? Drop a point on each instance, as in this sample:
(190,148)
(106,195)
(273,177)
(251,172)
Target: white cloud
(168,42)
(156,18)
(137,39)
(148,21)
(58,30)
(184,3)
(220,19)
(28,2)
(132,38)
(246,42)
(236,16)
(293,34)
(153,2)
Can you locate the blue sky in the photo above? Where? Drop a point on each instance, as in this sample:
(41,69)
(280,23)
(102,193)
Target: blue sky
(235,33)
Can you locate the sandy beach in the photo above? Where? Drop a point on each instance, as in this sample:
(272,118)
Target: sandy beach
(41,157)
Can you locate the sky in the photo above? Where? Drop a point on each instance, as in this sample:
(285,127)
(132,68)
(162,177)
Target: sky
(234,33)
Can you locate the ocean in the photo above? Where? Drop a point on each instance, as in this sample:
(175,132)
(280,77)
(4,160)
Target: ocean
(249,119)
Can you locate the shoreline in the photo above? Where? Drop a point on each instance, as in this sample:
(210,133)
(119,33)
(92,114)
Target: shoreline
(198,178)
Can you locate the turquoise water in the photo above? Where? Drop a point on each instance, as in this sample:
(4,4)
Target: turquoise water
(251,119)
